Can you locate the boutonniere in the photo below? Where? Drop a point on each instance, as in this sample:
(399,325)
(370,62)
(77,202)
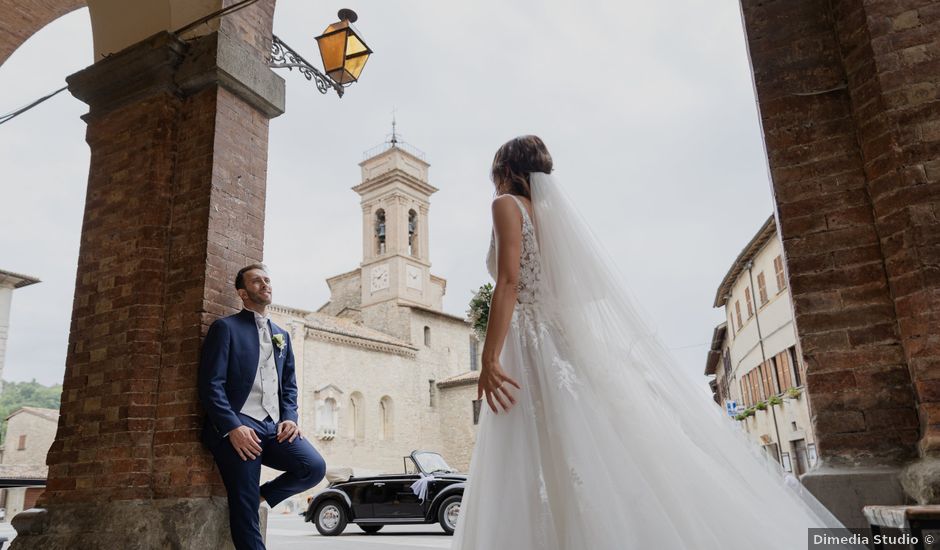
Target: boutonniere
(278,340)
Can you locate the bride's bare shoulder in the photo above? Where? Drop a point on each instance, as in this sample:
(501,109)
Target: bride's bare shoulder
(505,209)
(502,200)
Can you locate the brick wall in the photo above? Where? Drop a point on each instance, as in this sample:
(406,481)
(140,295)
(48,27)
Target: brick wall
(892,53)
(846,102)
(175,205)
(21,19)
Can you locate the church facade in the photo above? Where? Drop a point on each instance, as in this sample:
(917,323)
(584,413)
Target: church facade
(382,369)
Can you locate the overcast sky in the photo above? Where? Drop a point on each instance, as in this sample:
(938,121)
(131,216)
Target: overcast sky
(647,108)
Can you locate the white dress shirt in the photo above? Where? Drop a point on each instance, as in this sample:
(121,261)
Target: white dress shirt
(263,400)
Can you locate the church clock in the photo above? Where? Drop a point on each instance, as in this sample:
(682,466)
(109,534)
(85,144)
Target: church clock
(414,277)
(379,277)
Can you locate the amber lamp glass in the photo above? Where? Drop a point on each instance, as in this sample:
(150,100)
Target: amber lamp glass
(343,51)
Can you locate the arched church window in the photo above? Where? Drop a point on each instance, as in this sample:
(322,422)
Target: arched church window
(427,336)
(385,418)
(380,231)
(474,352)
(357,419)
(413,233)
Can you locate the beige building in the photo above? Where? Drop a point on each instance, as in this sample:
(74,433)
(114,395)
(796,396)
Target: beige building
(9,282)
(755,369)
(30,433)
(381,369)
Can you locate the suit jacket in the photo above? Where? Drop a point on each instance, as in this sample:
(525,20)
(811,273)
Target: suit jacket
(227,369)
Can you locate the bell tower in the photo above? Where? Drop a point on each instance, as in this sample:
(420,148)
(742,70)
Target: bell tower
(395,198)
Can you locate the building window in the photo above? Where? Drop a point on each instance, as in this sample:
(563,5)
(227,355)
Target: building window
(474,353)
(794,360)
(778,373)
(380,231)
(427,336)
(432,393)
(476,411)
(385,418)
(726,359)
(412,233)
(21,446)
(762,288)
(750,303)
(745,398)
(781,277)
(737,311)
(357,416)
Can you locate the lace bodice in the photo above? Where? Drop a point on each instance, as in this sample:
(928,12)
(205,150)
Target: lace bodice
(530,266)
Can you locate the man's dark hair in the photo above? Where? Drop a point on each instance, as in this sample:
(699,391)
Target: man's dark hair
(240,277)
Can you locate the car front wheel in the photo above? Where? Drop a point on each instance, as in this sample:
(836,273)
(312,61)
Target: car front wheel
(330,518)
(449,512)
(371,529)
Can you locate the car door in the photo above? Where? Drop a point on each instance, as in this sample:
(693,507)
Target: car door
(363,497)
(400,501)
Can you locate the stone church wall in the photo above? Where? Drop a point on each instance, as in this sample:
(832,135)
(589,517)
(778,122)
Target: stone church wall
(345,296)
(458,432)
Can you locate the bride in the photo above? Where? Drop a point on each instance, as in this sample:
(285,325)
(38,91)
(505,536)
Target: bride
(589,438)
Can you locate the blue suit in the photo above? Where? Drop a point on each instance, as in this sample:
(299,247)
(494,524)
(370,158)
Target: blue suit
(227,370)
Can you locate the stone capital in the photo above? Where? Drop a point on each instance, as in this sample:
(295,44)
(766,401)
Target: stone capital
(164,64)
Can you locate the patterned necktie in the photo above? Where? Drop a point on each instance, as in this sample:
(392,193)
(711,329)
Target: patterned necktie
(263,330)
(268,372)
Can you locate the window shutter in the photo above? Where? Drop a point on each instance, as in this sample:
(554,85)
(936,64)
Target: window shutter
(762,287)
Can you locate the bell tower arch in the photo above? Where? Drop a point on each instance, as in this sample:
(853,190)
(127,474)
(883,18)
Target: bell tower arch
(395,198)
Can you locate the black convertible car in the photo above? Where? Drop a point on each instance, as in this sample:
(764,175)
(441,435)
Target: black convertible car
(375,501)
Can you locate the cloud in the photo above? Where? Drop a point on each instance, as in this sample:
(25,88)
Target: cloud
(647,107)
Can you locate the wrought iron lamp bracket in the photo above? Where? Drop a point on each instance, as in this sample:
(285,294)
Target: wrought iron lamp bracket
(284,57)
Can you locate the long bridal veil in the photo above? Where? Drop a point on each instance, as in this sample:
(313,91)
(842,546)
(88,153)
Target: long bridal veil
(664,467)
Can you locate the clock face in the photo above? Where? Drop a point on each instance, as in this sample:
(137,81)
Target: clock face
(414,277)
(379,277)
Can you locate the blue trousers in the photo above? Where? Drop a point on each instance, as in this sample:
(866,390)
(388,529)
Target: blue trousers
(302,465)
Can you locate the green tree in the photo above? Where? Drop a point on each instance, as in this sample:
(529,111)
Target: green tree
(26,394)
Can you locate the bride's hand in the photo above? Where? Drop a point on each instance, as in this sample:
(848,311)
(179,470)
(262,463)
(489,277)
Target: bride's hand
(493,383)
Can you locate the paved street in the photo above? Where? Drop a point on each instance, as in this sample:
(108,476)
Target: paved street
(290,532)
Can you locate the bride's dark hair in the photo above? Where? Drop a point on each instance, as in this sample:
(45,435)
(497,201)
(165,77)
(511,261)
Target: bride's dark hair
(515,160)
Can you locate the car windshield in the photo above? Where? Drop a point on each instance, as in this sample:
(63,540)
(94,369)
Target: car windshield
(432,463)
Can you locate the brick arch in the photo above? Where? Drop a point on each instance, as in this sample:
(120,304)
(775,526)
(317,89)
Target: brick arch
(113,27)
(24,18)
(175,205)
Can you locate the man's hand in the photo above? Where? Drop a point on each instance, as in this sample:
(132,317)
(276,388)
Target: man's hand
(246,442)
(289,431)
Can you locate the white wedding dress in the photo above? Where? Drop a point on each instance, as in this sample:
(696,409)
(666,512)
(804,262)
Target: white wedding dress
(608,447)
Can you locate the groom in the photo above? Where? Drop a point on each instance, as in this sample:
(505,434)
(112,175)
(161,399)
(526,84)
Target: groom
(248,390)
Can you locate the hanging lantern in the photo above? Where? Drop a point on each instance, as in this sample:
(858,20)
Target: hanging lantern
(343,51)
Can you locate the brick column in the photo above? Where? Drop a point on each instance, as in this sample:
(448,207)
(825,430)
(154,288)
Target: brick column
(175,205)
(847,93)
